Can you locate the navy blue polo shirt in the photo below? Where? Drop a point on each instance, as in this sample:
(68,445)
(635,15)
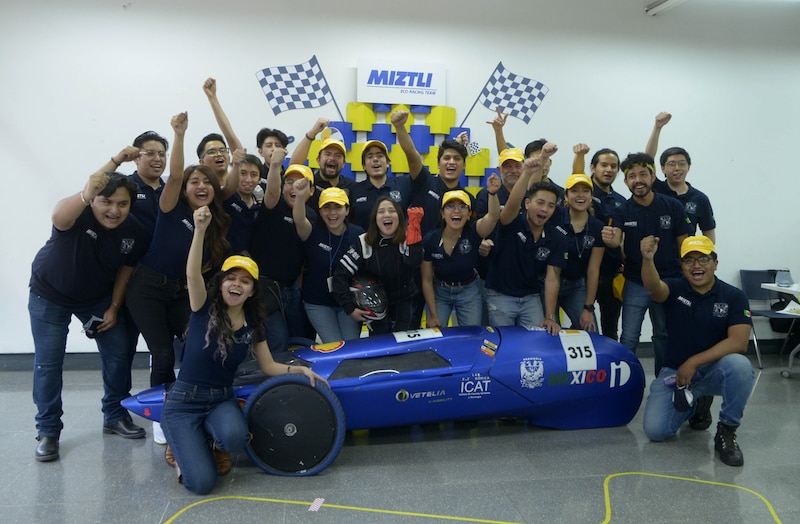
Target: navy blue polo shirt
(481,210)
(243,221)
(275,246)
(170,245)
(200,365)
(323,250)
(428,191)
(695,203)
(579,245)
(696,322)
(605,205)
(146,208)
(364,194)
(520,265)
(321,184)
(77,267)
(460,266)
(663,218)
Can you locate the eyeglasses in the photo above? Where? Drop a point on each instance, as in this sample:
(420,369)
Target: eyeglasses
(681,163)
(452,207)
(217,152)
(150,153)
(703,260)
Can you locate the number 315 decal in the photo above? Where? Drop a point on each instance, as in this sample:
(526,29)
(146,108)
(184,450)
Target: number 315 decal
(579,350)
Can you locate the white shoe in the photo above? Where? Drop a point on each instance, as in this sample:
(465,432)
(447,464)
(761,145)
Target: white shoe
(158,434)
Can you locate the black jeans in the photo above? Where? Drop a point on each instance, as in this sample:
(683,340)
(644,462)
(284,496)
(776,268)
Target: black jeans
(160,308)
(610,307)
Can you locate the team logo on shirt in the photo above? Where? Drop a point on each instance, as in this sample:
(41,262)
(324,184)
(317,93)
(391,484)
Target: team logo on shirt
(665,221)
(141,196)
(691,207)
(588,242)
(126,246)
(685,301)
(542,254)
(360,200)
(91,233)
(188,224)
(464,246)
(720,309)
(395,195)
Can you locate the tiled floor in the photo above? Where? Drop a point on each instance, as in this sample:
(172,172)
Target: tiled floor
(487,471)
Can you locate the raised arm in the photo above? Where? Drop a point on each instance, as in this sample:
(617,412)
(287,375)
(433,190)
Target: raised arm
(210,89)
(486,224)
(652,282)
(172,187)
(399,119)
(300,153)
(194,262)
(301,223)
(652,143)
(68,209)
(530,167)
(579,160)
(497,124)
(232,183)
(273,192)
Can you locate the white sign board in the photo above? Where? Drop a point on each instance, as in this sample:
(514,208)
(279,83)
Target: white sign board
(389,82)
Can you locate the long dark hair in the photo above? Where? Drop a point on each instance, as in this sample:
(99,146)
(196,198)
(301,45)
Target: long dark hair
(220,329)
(215,239)
(374,235)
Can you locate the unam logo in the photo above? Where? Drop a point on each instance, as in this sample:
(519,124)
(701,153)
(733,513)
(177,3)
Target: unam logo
(531,372)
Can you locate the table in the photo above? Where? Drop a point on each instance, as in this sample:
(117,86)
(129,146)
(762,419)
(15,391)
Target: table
(794,289)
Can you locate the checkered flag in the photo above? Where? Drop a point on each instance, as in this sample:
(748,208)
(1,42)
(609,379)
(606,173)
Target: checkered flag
(295,87)
(516,95)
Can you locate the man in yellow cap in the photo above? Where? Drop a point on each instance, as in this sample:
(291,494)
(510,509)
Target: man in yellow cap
(708,329)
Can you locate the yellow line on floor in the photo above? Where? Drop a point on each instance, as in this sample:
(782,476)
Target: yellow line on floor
(334,506)
(670,477)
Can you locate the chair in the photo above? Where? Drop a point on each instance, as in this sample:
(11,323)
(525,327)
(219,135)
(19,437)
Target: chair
(751,285)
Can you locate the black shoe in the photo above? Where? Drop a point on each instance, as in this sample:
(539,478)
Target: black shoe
(47,450)
(125,428)
(725,443)
(701,419)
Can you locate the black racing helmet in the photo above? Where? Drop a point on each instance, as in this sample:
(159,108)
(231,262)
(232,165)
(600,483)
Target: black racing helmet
(369,296)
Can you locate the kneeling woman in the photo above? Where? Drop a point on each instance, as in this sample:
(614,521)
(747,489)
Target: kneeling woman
(201,412)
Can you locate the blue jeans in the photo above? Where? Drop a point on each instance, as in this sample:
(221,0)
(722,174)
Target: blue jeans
(288,321)
(571,298)
(731,376)
(332,323)
(635,302)
(466,300)
(505,310)
(194,417)
(49,325)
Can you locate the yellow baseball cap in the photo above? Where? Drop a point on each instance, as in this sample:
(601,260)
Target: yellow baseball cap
(332,142)
(511,153)
(374,143)
(301,170)
(699,243)
(578,178)
(335,195)
(241,261)
(456,194)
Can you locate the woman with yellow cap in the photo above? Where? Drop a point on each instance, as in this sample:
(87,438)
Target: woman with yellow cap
(449,278)
(202,418)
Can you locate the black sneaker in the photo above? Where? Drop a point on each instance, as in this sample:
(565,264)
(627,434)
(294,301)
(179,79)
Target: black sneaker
(725,443)
(701,419)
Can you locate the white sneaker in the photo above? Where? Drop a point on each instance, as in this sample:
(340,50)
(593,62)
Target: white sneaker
(158,434)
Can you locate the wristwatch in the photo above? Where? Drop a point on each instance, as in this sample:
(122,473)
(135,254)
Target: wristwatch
(589,307)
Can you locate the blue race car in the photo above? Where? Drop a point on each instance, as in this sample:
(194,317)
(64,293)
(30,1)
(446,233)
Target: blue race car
(575,380)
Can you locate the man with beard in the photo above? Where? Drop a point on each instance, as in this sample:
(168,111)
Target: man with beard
(645,214)
(604,167)
(675,164)
(331,159)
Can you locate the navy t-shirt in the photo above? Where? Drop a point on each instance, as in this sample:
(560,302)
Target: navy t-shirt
(170,246)
(696,322)
(146,208)
(78,266)
(321,184)
(579,245)
(364,194)
(605,205)
(275,246)
(460,265)
(323,250)
(243,221)
(520,265)
(695,203)
(663,218)
(199,365)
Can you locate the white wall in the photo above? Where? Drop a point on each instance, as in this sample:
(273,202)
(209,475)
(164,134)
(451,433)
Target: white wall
(82,78)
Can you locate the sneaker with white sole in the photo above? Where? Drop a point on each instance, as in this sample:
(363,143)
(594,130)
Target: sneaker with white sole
(158,434)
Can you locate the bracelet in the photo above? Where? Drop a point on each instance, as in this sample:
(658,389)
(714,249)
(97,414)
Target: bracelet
(85,203)
(115,162)
(309,137)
